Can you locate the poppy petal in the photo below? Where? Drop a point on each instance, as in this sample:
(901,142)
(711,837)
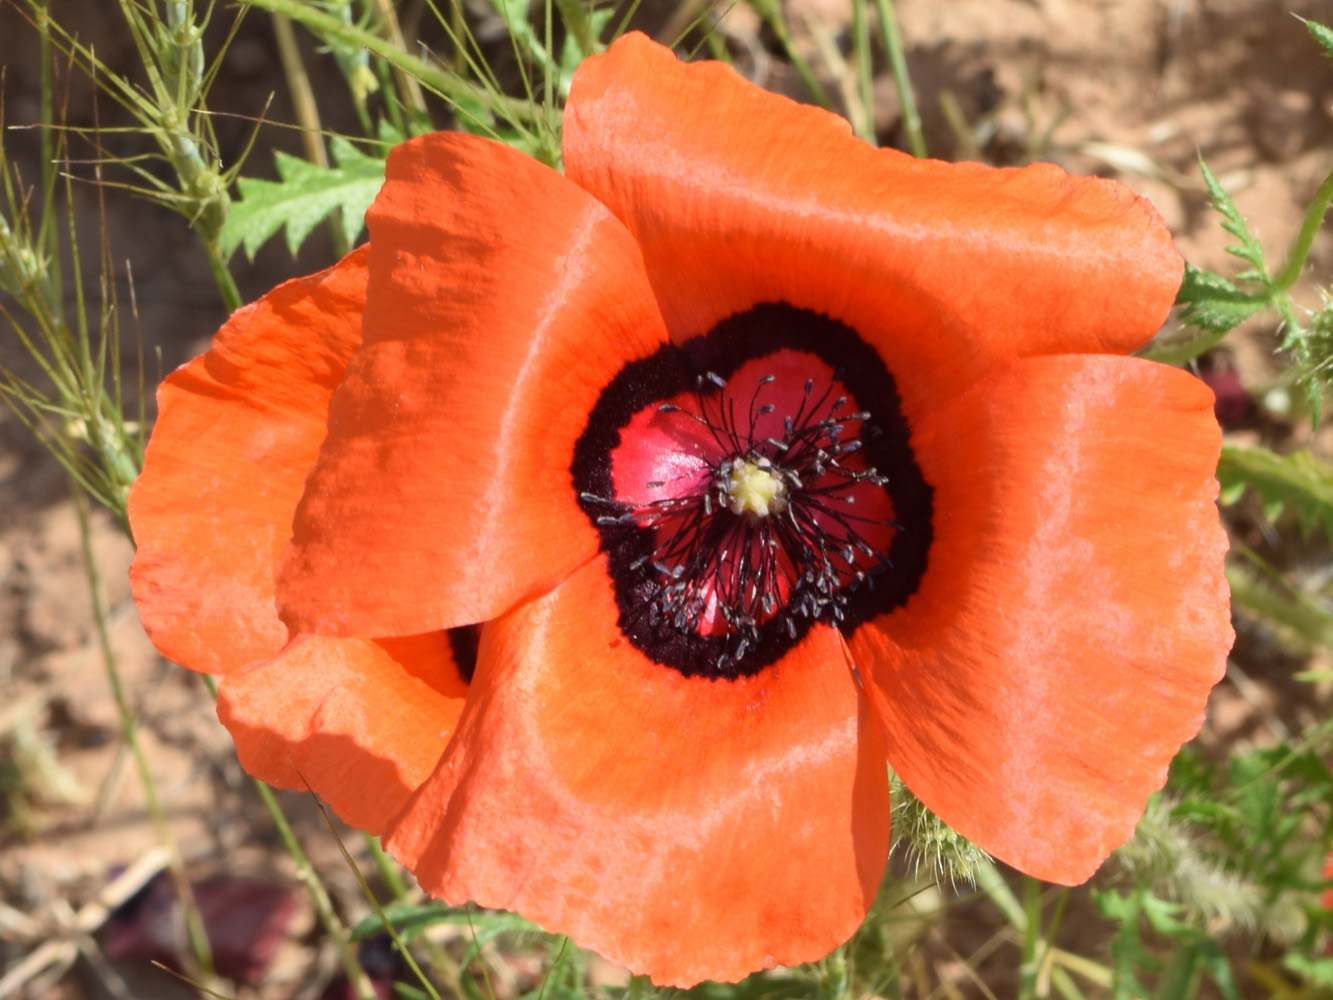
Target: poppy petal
(738,196)
(362,723)
(1073,615)
(502,299)
(683,827)
(238,430)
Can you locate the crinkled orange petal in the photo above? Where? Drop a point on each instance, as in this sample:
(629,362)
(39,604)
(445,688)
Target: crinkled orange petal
(739,196)
(238,430)
(1073,614)
(683,827)
(502,299)
(362,723)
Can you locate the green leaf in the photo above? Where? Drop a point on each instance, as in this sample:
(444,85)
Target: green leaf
(1180,979)
(411,919)
(303,197)
(1248,249)
(1212,303)
(1315,970)
(1127,950)
(571,56)
(1298,482)
(1217,966)
(1322,35)
(1161,914)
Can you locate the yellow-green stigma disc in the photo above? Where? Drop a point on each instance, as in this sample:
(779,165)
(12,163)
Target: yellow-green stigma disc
(755,491)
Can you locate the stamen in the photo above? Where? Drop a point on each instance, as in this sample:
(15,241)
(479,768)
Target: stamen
(766,538)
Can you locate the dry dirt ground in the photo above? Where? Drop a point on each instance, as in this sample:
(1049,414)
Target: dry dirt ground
(1136,89)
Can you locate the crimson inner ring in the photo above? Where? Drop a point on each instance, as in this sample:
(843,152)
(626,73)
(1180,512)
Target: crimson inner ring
(750,484)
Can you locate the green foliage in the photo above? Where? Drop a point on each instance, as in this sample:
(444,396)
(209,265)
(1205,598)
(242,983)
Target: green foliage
(1300,620)
(1313,350)
(1263,813)
(929,842)
(1232,846)
(1128,952)
(1213,303)
(409,992)
(1247,248)
(1316,971)
(303,197)
(1322,35)
(1165,856)
(1298,482)
(411,920)
(577,44)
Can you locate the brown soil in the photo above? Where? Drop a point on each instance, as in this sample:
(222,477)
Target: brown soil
(1136,89)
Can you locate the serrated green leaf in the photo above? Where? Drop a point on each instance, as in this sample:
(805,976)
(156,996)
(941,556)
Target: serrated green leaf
(303,197)
(1248,249)
(1298,482)
(1212,303)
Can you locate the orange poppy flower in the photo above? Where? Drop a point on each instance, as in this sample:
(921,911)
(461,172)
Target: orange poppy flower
(765,457)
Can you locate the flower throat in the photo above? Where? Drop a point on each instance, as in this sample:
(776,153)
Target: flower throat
(745,491)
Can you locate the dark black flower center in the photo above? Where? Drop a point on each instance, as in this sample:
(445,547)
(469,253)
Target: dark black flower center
(464,642)
(750,485)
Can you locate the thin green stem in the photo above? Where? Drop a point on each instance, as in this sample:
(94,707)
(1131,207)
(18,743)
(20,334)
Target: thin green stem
(1300,249)
(387,867)
(836,979)
(447,84)
(580,26)
(902,80)
(772,14)
(305,872)
(231,295)
(865,76)
(308,877)
(1032,938)
(392,875)
(1093,972)
(552,67)
(485,968)
(1053,925)
(1179,978)
(307,115)
(409,91)
(992,883)
(49,233)
(129,729)
(1064,984)
(389,928)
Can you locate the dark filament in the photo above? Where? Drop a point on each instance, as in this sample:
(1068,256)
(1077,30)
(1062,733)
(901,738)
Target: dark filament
(761,571)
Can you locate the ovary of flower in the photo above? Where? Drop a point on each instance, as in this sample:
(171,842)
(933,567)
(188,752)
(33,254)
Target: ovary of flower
(755,490)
